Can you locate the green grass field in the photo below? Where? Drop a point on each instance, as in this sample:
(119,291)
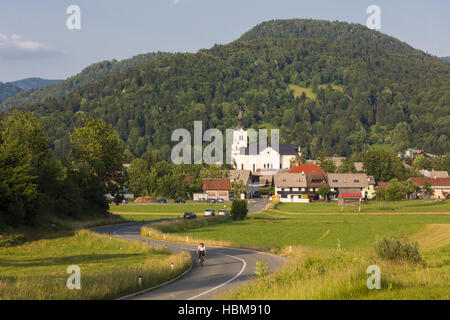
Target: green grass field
(109,267)
(330,252)
(312,230)
(420,206)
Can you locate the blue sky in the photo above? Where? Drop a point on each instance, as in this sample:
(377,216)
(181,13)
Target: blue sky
(34,40)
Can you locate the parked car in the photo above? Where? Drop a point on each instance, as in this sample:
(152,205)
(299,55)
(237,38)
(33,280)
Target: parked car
(220,200)
(180,201)
(223,212)
(161,201)
(189,215)
(125,201)
(209,213)
(211,200)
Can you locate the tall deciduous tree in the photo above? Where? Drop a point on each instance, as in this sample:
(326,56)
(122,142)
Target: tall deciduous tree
(97,146)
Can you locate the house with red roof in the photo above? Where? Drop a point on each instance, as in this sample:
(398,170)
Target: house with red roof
(217,188)
(440,186)
(306,168)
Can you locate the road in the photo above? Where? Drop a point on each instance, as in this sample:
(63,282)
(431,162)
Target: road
(224,268)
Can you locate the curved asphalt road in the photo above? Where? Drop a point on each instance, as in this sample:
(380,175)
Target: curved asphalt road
(224,268)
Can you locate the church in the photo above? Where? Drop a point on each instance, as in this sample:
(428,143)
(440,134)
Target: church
(261,160)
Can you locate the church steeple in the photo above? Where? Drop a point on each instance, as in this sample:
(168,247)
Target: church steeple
(240,120)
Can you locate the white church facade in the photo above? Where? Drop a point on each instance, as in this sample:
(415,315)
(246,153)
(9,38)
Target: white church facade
(268,159)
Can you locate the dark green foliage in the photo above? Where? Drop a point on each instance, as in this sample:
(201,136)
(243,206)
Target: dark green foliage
(55,89)
(33,185)
(7,91)
(239,209)
(398,248)
(383,165)
(368,88)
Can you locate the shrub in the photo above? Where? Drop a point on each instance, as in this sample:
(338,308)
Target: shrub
(239,209)
(8,240)
(398,248)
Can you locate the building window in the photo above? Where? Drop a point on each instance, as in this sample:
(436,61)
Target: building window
(242,166)
(254,167)
(335,180)
(264,165)
(356,180)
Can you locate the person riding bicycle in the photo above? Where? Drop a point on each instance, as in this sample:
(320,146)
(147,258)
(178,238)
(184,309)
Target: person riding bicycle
(201,250)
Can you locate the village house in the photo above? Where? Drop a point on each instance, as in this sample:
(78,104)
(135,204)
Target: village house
(246,177)
(440,186)
(347,186)
(433,174)
(290,187)
(217,188)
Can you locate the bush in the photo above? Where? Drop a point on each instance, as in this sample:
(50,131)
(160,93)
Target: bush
(239,209)
(398,248)
(8,240)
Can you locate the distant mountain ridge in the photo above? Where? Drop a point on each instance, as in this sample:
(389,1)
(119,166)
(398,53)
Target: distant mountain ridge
(32,83)
(7,91)
(446,58)
(92,73)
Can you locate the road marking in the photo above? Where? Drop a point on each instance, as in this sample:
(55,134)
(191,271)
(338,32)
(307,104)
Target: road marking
(221,285)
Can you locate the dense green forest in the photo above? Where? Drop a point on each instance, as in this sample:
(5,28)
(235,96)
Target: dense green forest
(330,86)
(7,91)
(95,72)
(32,83)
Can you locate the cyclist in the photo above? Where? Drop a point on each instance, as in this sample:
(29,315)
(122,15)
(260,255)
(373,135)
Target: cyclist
(201,250)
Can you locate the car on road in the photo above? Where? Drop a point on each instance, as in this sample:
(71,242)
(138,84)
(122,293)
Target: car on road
(220,200)
(161,201)
(189,215)
(209,213)
(211,200)
(180,201)
(223,212)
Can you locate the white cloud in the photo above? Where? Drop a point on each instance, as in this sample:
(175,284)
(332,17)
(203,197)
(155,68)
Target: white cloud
(14,47)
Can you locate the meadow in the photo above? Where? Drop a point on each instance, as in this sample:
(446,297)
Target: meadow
(330,252)
(109,267)
(406,206)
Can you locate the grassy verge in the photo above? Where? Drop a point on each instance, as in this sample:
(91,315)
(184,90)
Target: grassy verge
(109,267)
(340,274)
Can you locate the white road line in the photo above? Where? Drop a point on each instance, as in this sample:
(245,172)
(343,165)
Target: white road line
(221,285)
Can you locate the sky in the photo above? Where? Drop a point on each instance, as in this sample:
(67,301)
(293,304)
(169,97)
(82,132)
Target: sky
(35,40)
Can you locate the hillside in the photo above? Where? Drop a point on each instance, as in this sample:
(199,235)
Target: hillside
(7,91)
(32,83)
(365,88)
(90,74)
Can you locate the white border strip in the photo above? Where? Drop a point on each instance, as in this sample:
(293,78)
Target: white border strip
(220,285)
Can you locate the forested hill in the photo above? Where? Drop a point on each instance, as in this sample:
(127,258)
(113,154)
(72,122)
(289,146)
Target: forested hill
(95,72)
(335,89)
(7,91)
(32,83)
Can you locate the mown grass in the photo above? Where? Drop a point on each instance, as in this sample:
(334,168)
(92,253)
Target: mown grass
(422,206)
(109,267)
(179,209)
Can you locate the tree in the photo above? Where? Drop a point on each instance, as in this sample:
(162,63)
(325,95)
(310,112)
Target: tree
(395,191)
(97,146)
(427,190)
(420,162)
(239,209)
(237,188)
(323,191)
(139,177)
(383,165)
(347,166)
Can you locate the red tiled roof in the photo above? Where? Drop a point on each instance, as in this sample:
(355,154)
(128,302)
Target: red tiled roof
(216,184)
(306,168)
(382,185)
(438,182)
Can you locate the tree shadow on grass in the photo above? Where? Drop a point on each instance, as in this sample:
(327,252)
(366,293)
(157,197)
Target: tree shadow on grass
(69,260)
